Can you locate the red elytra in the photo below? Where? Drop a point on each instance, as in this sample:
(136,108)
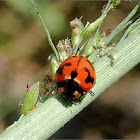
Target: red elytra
(74,76)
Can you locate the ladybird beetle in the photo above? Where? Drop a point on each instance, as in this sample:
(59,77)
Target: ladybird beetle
(74,77)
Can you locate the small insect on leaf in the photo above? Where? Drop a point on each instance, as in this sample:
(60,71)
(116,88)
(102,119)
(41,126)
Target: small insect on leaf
(30,98)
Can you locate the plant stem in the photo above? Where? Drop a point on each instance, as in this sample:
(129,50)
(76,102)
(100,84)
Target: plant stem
(123,24)
(131,27)
(56,112)
(47,31)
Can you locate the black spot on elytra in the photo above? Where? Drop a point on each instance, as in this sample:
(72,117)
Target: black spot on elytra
(60,70)
(89,79)
(73,74)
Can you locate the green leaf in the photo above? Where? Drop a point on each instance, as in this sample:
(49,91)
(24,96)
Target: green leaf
(93,26)
(30,98)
